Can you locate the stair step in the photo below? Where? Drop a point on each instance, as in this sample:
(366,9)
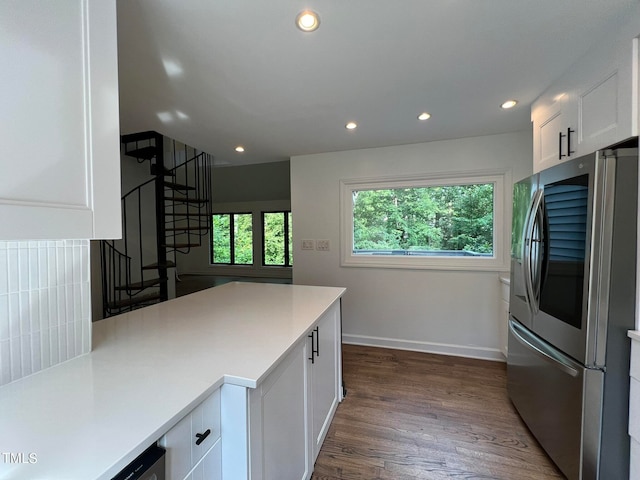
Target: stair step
(139,136)
(137,300)
(187,200)
(166,171)
(141,285)
(184,229)
(178,186)
(155,266)
(181,245)
(144,152)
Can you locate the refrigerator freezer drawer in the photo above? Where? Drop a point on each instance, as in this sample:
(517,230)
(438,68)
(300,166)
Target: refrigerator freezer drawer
(546,388)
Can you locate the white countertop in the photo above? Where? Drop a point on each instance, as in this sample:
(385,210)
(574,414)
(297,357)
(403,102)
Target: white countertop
(634,335)
(89,417)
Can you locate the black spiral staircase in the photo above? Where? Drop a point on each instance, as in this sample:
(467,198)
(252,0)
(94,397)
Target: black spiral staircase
(168,214)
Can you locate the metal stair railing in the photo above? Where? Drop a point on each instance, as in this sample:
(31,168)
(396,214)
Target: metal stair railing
(117,271)
(188,203)
(182,198)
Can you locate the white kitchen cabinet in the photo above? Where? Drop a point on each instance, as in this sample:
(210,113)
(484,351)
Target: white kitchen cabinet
(607,96)
(552,121)
(279,421)
(593,106)
(192,437)
(292,409)
(324,376)
(59,120)
(273,431)
(210,467)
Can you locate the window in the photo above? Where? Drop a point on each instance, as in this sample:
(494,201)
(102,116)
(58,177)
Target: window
(232,239)
(277,247)
(439,221)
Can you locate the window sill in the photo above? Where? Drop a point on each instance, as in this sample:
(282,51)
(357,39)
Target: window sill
(440,263)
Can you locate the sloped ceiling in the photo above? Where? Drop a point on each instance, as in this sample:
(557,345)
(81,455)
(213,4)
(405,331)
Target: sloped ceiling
(219,73)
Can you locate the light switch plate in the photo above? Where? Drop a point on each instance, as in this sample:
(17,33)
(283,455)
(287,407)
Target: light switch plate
(308,244)
(322,245)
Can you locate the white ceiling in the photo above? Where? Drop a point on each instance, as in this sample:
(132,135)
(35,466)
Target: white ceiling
(218,73)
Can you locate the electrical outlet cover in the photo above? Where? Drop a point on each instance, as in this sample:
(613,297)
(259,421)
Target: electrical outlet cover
(322,245)
(308,244)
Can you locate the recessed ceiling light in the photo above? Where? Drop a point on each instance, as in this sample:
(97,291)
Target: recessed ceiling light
(509,104)
(239,149)
(308,21)
(351,125)
(424,116)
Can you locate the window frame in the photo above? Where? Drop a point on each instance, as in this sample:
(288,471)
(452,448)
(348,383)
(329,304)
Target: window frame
(287,227)
(232,247)
(501,213)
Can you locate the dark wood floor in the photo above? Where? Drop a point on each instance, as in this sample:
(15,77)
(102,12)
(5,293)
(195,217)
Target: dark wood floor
(411,415)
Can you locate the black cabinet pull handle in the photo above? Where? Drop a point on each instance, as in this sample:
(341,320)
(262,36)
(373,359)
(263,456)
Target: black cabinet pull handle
(317,341)
(560,137)
(569,132)
(313,349)
(201,436)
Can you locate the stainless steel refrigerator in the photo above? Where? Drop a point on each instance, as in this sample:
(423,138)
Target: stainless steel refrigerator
(572,301)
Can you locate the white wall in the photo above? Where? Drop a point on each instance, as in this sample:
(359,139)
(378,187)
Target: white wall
(455,312)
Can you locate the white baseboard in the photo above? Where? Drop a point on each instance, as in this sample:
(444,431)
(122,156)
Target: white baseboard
(482,353)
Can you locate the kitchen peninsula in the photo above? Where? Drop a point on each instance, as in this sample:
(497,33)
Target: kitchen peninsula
(261,360)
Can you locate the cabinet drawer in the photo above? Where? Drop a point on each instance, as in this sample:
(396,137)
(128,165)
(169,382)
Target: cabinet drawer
(202,425)
(210,467)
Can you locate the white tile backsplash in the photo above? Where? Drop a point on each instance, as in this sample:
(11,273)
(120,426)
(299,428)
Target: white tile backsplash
(45,311)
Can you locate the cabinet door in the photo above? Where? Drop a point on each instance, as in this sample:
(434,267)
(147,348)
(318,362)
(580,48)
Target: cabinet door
(552,118)
(606,106)
(279,435)
(177,442)
(59,120)
(324,377)
(205,426)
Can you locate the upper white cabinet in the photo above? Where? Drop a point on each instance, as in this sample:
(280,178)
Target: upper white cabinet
(594,105)
(59,119)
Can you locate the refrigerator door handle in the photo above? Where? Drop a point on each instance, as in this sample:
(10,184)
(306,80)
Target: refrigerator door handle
(541,350)
(527,260)
(601,249)
(538,242)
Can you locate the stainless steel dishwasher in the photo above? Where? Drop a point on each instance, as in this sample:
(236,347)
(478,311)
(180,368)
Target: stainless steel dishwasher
(148,466)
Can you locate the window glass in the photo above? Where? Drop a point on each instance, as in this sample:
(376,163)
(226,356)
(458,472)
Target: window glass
(277,238)
(441,221)
(290,239)
(221,239)
(243,239)
(232,242)
(450,220)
